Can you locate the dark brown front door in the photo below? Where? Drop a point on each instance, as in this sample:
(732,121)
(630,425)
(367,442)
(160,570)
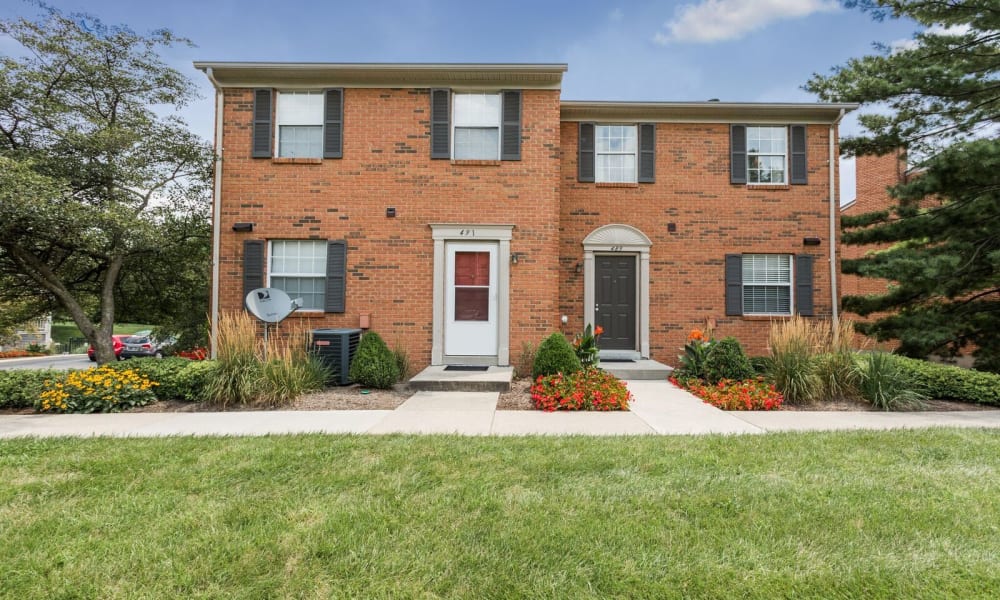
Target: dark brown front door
(614,301)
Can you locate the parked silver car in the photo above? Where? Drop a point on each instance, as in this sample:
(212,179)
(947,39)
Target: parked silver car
(142,344)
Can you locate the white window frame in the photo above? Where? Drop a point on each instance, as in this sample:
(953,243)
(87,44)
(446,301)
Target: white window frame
(635,153)
(271,272)
(790,284)
(784,154)
(277,121)
(454,122)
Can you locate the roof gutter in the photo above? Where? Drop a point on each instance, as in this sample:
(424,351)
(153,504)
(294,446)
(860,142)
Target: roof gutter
(834,205)
(216,213)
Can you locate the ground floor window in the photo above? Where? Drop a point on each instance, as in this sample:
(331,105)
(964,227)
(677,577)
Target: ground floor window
(767,284)
(298,268)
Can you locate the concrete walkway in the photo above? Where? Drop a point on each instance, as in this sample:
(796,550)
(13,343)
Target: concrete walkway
(659,408)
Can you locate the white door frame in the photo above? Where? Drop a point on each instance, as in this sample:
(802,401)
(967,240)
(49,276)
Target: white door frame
(618,239)
(471,232)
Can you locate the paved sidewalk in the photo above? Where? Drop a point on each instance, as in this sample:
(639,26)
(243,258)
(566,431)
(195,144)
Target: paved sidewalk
(659,408)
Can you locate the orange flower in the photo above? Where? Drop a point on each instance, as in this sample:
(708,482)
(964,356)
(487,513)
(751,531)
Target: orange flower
(696,334)
(598,330)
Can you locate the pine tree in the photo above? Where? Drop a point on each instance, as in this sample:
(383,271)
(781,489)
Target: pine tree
(942,89)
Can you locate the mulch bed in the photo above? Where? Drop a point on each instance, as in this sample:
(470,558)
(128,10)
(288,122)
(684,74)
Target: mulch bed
(518,397)
(337,398)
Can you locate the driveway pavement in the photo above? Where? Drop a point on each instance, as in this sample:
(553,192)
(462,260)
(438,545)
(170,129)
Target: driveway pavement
(659,409)
(55,361)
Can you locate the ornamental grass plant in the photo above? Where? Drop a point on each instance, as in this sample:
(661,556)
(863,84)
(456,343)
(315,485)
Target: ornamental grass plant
(794,343)
(243,376)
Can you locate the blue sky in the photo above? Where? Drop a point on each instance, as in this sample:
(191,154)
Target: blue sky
(735,50)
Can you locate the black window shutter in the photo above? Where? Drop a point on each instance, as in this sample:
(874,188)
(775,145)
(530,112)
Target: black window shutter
(647,152)
(262,102)
(737,154)
(440,124)
(797,160)
(734,284)
(333,124)
(585,156)
(510,129)
(336,276)
(253,265)
(804,285)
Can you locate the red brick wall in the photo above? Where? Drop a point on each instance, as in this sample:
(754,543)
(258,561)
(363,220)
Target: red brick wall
(712,217)
(386,163)
(873,174)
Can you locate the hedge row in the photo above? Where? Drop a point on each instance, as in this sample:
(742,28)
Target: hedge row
(947,382)
(178,379)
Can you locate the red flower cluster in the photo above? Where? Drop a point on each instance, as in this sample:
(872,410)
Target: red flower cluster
(590,389)
(19,354)
(752,394)
(194,354)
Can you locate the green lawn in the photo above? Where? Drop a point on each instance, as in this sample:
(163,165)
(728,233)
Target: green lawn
(832,515)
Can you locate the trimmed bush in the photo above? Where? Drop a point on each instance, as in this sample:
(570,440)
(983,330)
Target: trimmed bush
(555,355)
(374,365)
(884,383)
(727,360)
(948,382)
(20,388)
(165,372)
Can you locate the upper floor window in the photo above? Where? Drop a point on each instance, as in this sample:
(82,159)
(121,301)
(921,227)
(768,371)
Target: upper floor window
(616,147)
(766,154)
(476,126)
(300,124)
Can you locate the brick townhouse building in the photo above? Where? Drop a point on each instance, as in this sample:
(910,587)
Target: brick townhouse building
(463,210)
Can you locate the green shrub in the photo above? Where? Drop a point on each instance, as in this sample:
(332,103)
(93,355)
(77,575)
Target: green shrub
(373,364)
(947,382)
(727,360)
(885,384)
(163,371)
(192,381)
(761,364)
(20,388)
(555,355)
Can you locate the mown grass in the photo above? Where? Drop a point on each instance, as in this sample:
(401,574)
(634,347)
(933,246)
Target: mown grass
(829,515)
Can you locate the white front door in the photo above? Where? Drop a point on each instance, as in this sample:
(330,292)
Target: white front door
(471,299)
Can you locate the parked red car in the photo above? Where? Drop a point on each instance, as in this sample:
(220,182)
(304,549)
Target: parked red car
(119,343)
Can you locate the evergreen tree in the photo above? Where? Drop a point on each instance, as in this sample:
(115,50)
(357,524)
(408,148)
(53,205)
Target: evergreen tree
(942,92)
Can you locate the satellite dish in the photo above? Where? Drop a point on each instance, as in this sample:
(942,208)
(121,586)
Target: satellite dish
(270,305)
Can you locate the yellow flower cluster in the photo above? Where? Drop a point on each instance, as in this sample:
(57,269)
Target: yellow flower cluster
(103,384)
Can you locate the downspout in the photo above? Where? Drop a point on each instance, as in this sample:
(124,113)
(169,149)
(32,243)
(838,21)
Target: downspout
(834,207)
(216,211)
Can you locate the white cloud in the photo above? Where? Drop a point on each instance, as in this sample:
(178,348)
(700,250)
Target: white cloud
(910,43)
(718,20)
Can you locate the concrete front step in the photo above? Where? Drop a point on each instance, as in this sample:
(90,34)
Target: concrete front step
(436,379)
(644,369)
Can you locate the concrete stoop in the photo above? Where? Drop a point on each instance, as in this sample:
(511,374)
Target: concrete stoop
(643,369)
(436,379)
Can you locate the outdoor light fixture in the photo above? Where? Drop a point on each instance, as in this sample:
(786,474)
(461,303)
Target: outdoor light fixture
(390,212)
(243,227)
(516,256)
(810,241)
(579,267)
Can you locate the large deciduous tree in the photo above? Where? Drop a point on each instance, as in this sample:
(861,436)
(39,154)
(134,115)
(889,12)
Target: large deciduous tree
(937,96)
(99,177)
